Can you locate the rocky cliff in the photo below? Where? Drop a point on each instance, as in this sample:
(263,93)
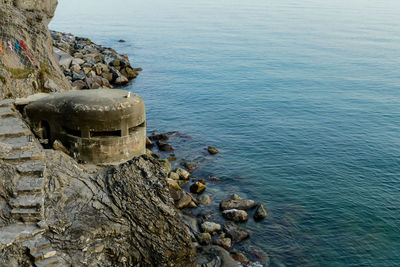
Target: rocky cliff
(28,66)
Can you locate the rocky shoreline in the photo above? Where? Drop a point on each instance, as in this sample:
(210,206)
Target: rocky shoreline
(90,66)
(189,192)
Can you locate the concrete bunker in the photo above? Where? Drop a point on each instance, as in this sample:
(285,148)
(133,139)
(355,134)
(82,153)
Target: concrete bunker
(99,126)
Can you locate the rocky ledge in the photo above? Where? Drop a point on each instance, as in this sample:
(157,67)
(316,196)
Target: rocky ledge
(90,66)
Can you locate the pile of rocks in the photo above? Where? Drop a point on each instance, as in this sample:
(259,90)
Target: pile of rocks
(91,66)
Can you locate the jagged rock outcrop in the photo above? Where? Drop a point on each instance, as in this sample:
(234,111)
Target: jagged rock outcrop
(31,67)
(117,216)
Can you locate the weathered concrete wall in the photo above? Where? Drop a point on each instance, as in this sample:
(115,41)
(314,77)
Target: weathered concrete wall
(107,150)
(96,126)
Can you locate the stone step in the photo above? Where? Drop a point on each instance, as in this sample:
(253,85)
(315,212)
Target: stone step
(44,254)
(7,112)
(27,215)
(27,201)
(50,262)
(13,127)
(36,244)
(7,103)
(28,212)
(17,232)
(19,143)
(23,155)
(35,167)
(29,184)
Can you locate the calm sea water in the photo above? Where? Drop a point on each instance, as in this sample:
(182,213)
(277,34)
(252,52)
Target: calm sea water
(301,97)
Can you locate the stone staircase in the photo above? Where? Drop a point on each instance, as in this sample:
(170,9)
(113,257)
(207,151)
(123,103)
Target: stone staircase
(19,148)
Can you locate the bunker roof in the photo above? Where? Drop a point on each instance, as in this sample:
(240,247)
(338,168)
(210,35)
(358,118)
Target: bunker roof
(98,108)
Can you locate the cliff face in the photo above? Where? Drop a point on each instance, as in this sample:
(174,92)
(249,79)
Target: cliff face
(29,66)
(117,216)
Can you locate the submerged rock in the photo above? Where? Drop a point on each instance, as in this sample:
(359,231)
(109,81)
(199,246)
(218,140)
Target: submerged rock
(205,199)
(236,232)
(158,137)
(163,146)
(212,150)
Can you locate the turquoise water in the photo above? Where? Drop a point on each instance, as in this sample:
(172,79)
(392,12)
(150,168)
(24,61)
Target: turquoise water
(301,97)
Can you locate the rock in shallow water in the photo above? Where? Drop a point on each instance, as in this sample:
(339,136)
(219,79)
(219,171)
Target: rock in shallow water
(183,174)
(204,238)
(241,204)
(226,242)
(236,232)
(197,188)
(205,199)
(240,257)
(210,227)
(235,215)
(163,146)
(212,150)
(261,213)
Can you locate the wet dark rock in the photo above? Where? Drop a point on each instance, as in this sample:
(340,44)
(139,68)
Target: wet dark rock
(190,166)
(261,213)
(226,242)
(236,232)
(163,146)
(235,215)
(158,137)
(241,204)
(212,150)
(197,188)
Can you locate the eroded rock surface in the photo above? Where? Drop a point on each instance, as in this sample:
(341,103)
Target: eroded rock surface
(34,68)
(118,216)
